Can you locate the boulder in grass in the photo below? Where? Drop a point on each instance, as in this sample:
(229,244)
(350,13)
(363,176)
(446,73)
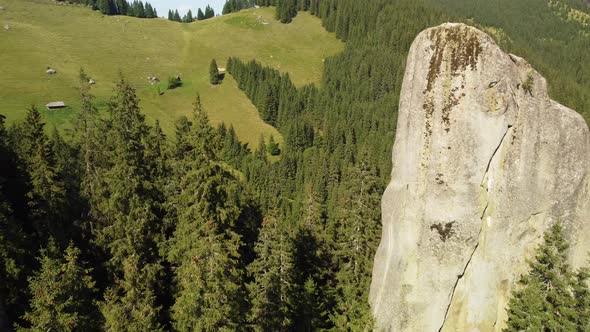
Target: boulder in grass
(51,71)
(7,27)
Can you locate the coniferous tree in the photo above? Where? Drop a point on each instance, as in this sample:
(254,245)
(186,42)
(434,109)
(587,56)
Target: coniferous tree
(267,103)
(544,300)
(131,305)
(227,8)
(213,73)
(200,15)
(189,17)
(12,253)
(62,291)
(131,9)
(139,10)
(149,11)
(158,152)
(286,10)
(121,6)
(356,227)
(17,235)
(273,291)
(312,263)
(86,125)
(205,247)
(261,150)
(177,16)
(170,15)
(68,170)
(273,147)
(231,6)
(209,12)
(582,297)
(46,194)
(105,6)
(125,214)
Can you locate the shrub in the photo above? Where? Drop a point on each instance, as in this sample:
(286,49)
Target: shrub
(273,148)
(174,82)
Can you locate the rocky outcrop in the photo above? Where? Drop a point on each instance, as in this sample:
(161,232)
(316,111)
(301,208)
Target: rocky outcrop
(484,162)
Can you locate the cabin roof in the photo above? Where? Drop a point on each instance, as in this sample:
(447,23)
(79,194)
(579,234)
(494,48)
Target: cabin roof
(56,104)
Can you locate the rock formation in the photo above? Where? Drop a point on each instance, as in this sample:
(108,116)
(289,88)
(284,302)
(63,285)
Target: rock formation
(483,163)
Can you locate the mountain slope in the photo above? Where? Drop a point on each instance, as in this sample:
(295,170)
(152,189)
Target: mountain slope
(67,38)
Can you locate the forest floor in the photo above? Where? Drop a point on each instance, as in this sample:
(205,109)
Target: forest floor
(67,38)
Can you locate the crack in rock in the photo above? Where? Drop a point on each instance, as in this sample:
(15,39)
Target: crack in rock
(459,277)
(495,152)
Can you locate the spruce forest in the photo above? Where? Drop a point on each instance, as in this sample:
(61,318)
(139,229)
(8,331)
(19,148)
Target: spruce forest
(121,227)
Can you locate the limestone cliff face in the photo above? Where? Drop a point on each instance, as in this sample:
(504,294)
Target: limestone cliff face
(483,163)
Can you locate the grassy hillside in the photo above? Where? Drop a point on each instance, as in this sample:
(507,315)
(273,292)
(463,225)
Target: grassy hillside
(66,38)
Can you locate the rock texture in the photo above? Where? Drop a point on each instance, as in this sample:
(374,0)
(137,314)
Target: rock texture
(483,163)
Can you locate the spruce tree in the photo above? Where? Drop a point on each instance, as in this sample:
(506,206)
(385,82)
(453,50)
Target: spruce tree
(213,73)
(227,8)
(312,259)
(177,16)
(86,126)
(582,295)
(62,293)
(149,11)
(121,7)
(356,227)
(261,150)
(105,6)
(273,291)
(140,10)
(17,246)
(68,169)
(543,299)
(273,147)
(286,10)
(205,248)
(131,305)
(200,15)
(12,265)
(125,210)
(46,194)
(209,12)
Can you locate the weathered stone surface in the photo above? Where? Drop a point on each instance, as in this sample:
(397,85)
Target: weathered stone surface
(483,163)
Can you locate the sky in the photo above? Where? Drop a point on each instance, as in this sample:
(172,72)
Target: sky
(183,6)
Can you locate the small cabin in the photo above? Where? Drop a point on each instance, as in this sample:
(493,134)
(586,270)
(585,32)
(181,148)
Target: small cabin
(55,105)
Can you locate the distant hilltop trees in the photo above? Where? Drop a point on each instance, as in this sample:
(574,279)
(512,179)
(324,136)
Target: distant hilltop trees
(285,12)
(189,17)
(232,6)
(119,7)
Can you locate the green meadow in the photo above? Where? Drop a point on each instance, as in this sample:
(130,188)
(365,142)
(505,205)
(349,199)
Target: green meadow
(66,38)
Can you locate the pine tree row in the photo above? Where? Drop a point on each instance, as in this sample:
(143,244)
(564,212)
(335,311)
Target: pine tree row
(122,7)
(188,17)
(232,6)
